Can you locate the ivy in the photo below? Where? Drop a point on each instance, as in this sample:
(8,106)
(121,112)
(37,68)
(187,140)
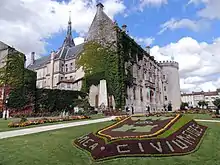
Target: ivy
(25,94)
(101,63)
(12,72)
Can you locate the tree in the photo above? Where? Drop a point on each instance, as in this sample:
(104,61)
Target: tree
(184,105)
(216,102)
(202,103)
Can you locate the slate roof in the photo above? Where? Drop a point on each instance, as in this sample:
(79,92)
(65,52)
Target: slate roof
(70,52)
(67,51)
(63,53)
(39,62)
(101,23)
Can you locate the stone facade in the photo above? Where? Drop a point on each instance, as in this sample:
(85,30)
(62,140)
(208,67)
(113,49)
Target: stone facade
(154,84)
(5,51)
(193,98)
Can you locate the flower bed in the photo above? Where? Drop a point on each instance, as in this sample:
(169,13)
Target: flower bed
(195,111)
(182,140)
(46,120)
(215,116)
(114,113)
(134,126)
(119,118)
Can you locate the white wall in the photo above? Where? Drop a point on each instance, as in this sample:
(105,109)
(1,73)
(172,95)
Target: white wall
(173,87)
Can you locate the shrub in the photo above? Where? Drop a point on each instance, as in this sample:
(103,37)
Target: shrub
(23,119)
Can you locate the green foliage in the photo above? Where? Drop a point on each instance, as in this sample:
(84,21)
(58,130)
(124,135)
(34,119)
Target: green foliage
(13,71)
(216,102)
(202,104)
(17,99)
(101,63)
(56,100)
(23,95)
(183,106)
(23,119)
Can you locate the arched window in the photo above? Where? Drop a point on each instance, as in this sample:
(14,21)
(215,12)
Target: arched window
(134,89)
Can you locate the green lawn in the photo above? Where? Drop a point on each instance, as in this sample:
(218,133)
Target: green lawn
(55,148)
(202,116)
(4,123)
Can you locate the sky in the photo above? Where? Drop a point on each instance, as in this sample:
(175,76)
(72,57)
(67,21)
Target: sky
(187,30)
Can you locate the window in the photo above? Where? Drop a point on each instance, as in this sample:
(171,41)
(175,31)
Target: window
(71,66)
(165,98)
(134,93)
(63,67)
(165,88)
(65,78)
(71,77)
(141,94)
(66,68)
(68,85)
(61,78)
(164,76)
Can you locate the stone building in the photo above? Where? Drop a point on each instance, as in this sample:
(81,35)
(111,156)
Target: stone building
(7,52)
(193,98)
(154,84)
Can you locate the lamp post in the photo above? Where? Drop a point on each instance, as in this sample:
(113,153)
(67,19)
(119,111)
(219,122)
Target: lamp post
(6,111)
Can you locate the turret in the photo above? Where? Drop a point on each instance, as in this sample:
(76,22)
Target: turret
(169,64)
(170,70)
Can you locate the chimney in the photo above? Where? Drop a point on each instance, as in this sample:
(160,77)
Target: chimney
(100,7)
(148,49)
(124,28)
(32,58)
(52,55)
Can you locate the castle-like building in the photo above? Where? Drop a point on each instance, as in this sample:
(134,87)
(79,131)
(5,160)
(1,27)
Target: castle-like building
(154,85)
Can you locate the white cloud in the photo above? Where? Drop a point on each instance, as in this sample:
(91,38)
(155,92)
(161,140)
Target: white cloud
(78,40)
(198,62)
(147,41)
(174,24)
(26,24)
(211,9)
(154,3)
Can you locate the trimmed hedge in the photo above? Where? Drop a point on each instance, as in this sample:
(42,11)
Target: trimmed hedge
(57,100)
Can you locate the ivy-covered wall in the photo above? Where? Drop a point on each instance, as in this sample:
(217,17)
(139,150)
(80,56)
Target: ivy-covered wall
(25,94)
(43,100)
(13,71)
(101,63)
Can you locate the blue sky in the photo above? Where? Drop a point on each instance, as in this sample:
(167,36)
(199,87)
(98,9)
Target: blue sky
(188,30)
(146,23)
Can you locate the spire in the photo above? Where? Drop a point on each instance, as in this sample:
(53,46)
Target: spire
(69,30)
(69,42)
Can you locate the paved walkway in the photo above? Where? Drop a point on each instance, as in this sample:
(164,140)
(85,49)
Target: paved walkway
(213,121)
(27,131)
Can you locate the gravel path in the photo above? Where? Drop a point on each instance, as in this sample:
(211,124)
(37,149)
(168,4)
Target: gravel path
(28,131)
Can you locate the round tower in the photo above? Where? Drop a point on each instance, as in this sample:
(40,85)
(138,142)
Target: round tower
(171,89)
